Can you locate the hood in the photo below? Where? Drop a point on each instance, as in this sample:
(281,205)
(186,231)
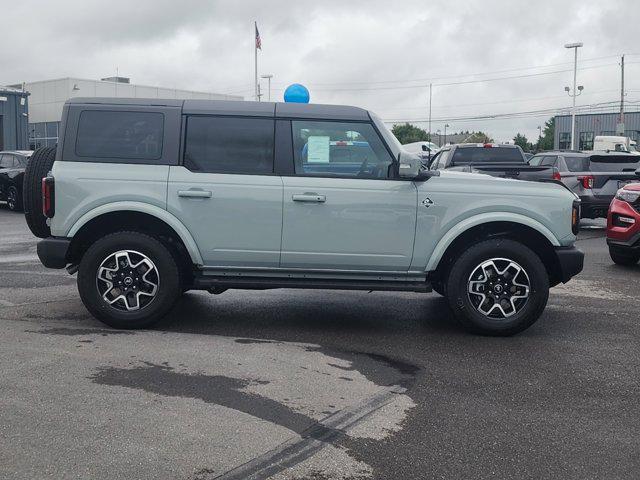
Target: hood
(454,181)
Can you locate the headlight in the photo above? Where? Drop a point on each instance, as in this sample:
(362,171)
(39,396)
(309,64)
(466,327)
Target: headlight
(627,195)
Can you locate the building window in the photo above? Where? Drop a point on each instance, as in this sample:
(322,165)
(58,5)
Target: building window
(586,141)
(565,141)
(43,134)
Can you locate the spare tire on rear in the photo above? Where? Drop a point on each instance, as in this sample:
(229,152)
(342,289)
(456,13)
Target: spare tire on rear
(38,167)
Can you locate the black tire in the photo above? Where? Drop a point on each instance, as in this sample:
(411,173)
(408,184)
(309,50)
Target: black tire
(458,282)
(38,166)
(14,199)
(169,287)
(622,258)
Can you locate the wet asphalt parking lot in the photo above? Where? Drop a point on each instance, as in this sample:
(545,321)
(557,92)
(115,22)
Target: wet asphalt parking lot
(289,384)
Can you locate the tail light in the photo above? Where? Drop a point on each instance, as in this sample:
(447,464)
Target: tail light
(48,197)
(487,145)
(587,181)
(556,174)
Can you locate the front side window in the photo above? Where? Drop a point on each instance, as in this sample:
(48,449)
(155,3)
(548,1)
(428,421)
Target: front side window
(535,161)
(229,145)
(549,161)
(341,149)
(115,134)
(6,161)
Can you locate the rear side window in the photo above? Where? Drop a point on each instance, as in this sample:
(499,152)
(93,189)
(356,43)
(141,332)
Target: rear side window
(464,155)
(577,164)
(127,135)
(229,145)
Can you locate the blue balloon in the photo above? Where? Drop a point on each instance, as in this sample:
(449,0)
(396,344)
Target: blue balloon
(296,93)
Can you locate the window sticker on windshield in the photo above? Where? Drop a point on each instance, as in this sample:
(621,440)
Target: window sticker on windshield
(318,149)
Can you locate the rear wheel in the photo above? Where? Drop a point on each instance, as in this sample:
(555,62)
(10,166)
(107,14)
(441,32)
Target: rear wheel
(623,258)
(128,280)
(497,287)
(14,201)
(39,164)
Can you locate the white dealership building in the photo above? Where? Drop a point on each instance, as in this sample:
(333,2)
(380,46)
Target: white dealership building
(46,98)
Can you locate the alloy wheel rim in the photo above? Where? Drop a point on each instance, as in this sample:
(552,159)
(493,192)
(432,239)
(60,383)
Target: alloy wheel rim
(12,199)
(127,280)
(498,288)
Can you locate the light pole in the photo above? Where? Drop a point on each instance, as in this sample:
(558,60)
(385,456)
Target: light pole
(439,138)
(268,77)
(539,136)
(575,47)
(445,132)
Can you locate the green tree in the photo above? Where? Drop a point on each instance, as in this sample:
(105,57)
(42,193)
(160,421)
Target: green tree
(407,133)
(522,142)
(479,137)
(548,133)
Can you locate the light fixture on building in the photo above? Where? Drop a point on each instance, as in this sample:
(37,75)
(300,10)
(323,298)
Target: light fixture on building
(75,87)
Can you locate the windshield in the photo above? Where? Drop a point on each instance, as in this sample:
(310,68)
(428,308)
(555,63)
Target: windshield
(487,155)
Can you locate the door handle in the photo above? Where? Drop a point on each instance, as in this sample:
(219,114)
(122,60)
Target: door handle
(195,193)
(309,197)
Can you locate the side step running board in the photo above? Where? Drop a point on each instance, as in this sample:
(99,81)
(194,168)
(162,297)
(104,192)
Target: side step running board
(261,283)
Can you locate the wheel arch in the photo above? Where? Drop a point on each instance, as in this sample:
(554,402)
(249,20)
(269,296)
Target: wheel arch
(530,233)
(132,216)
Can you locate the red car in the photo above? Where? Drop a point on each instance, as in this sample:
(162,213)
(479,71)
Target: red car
(623,225)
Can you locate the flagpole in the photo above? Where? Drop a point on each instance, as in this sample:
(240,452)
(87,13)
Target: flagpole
(255,51)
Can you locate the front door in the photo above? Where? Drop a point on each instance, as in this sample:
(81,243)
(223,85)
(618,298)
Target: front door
(343,210)
(226,193)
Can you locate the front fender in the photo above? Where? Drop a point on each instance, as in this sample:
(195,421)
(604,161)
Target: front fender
(148,209)
(453,233)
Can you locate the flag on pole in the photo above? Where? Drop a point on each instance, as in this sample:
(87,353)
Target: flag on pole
(258,41)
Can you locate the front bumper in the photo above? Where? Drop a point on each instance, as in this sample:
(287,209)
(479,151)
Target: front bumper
(592,207)
(53,252)
(571,262)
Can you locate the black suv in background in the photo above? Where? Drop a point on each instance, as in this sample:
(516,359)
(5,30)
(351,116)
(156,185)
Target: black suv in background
(594,176)
(12,166)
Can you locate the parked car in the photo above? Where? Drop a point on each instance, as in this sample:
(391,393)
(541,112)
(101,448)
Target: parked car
(498,160)
(623,225)
(424,150)
(594,176)
(148,198)
(12,166)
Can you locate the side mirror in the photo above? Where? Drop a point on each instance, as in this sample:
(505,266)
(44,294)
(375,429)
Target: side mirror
(410,168)
(425,148)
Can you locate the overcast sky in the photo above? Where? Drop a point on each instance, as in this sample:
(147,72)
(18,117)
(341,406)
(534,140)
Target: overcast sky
(375,54)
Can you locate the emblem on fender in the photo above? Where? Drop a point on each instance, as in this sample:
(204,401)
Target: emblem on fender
(427,202)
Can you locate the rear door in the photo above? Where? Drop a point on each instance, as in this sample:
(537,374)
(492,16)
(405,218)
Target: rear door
(226,193)
(346,212)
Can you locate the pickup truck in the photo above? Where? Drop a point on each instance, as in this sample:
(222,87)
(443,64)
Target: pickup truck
(505,161)
(146,199)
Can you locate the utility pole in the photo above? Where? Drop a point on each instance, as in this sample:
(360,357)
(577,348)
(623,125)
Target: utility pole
(430,97)
(620,127)
(445,132)
(539,136)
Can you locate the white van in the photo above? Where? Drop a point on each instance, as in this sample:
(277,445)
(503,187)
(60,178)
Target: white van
(607,143)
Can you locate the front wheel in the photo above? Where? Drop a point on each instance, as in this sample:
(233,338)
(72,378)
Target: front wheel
(128,280)
(497,287)
(14,199)
(623,259)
